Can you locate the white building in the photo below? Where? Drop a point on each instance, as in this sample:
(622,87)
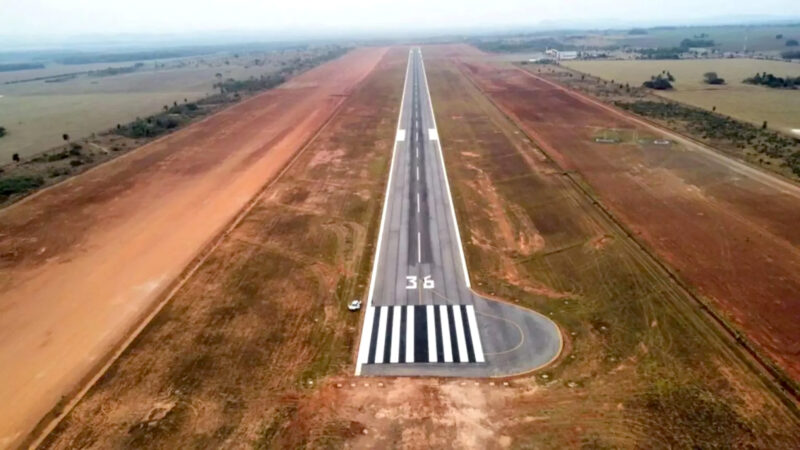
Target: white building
(559,56)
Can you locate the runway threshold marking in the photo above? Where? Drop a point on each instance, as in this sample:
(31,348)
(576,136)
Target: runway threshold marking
(423,333)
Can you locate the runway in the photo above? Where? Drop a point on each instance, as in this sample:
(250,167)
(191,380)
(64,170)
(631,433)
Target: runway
(422,318)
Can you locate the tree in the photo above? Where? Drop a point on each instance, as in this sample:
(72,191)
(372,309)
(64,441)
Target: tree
(658,82)
(778,36)
(65,136)
(712,78)
(15,157)
(791,43)
(2,131)
(764,125)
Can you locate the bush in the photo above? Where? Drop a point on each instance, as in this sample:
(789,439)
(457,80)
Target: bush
(770,80)
(658,82)
(791,54)
(791,43)
(712,78)
(2,131)
(19,184)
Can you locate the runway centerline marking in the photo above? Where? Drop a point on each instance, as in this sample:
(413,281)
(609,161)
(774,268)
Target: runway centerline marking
(419,246)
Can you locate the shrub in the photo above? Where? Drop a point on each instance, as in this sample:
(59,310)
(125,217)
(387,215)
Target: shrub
(791,43)
(19,184)
(712,78)
(658,82)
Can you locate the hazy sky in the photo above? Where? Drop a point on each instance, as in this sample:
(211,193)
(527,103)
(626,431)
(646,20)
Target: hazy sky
(32,18)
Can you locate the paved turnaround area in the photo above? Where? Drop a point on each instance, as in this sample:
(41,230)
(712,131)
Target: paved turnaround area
(422,318)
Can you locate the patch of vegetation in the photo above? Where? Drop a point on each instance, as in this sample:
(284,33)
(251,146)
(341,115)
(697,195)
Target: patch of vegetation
(111,71)
(2,131)
(717,127)
(279,421)
(686,44)
(518,45)
(251,84)
(660,82)
(770,80)
(689,416)
(661,53)
(20,66)
(19,185)
(791,54)
(712,78)
(161,123)
(637,31)
(791,43)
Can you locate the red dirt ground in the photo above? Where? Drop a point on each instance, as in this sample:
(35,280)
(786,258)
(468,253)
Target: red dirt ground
(729,230)
(81,263)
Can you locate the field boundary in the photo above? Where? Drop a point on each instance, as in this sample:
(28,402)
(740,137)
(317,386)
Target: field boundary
(34,193)
(764,175)
(46,425)
(778,380)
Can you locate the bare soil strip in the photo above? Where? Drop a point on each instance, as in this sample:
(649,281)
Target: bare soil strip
(82,262)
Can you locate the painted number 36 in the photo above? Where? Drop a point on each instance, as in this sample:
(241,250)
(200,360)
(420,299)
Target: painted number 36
(413,282)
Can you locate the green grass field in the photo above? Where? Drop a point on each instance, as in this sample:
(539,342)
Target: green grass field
(755,104)
(36,113)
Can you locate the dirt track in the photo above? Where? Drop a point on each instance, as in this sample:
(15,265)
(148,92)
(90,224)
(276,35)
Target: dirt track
(727,229)
(81,262)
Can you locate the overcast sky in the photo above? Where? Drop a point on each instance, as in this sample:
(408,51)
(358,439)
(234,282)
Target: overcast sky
(39,18)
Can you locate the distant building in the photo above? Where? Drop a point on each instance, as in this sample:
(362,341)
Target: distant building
(558,55)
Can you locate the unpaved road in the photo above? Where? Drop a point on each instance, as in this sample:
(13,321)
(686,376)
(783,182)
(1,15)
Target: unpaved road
(82,262)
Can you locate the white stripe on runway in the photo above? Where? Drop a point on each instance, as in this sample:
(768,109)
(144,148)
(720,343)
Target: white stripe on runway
(417,173)
(417,202)
(381,335)
(463,356)
(410,333)
(431,335)
(401,135)
(448,349)
(433,134)
(366,334)
(473,331)
(394,356)
(419,247)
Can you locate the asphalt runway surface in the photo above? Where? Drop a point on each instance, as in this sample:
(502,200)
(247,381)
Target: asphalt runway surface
(422,318)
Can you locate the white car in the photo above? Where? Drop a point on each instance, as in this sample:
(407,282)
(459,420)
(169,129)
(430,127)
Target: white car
(355,305)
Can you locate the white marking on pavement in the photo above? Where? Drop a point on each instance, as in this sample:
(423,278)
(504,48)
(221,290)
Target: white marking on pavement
(431,335)
(446,182)
(417,202)
(401,136)
(366,334)
(448,350)
(473,331)
(379,346)
(463,356)
(364,349)
(410,333)
(419,246)
(417,173)
(433,134)
(394,355)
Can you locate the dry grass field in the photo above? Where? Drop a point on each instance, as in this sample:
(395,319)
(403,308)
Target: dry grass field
(256,349)
(754,104)
(37,113)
